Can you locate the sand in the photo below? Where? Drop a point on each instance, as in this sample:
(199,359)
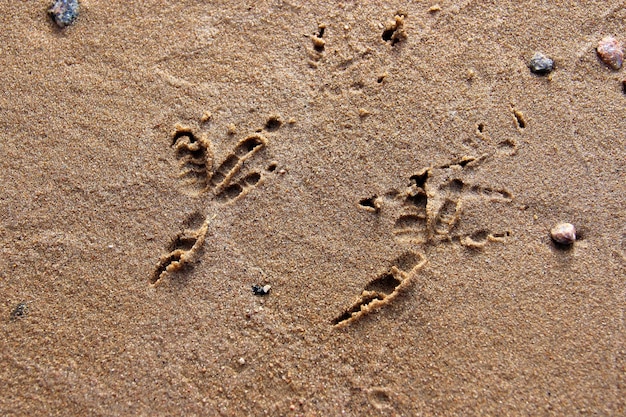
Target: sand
(390,169)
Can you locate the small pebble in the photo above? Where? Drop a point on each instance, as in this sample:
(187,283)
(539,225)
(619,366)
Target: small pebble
(434,8)
(20,311)
(610,52)
(206,116)
(241,361)
(318,44)
(563,233)
(64,12)
(261,290)
(540,64)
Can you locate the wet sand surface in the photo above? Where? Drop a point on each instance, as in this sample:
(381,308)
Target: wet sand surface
(392,170)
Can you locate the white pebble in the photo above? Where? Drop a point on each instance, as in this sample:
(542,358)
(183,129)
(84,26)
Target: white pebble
(564,233)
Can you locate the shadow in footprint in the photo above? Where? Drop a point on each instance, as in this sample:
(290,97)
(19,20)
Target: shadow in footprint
(240,188)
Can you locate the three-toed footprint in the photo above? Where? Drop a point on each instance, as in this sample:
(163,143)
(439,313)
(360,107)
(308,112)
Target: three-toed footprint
(223,184)
(427,211)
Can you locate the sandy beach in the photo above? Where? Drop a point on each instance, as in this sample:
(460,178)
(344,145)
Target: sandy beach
(293,208)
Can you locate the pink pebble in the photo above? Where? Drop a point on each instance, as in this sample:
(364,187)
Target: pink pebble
(611,52)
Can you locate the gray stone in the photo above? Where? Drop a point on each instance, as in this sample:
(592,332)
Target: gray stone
(64,12)
(541,64)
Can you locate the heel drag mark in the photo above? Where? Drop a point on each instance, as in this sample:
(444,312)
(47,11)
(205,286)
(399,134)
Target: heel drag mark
(384,288)
(184,250)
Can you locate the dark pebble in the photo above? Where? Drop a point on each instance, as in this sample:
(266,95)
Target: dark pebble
(541,64)
(261,290)
(64,12)
(20,311)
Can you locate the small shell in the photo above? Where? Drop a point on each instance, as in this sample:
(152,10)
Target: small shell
(610,51)
(64,12)
(563,233)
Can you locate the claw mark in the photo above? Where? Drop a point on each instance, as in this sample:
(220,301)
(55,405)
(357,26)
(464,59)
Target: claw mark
(20,311)
(520,120)
(319,44)
(370,204)
(384,288)
(184,250)
(394,31)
